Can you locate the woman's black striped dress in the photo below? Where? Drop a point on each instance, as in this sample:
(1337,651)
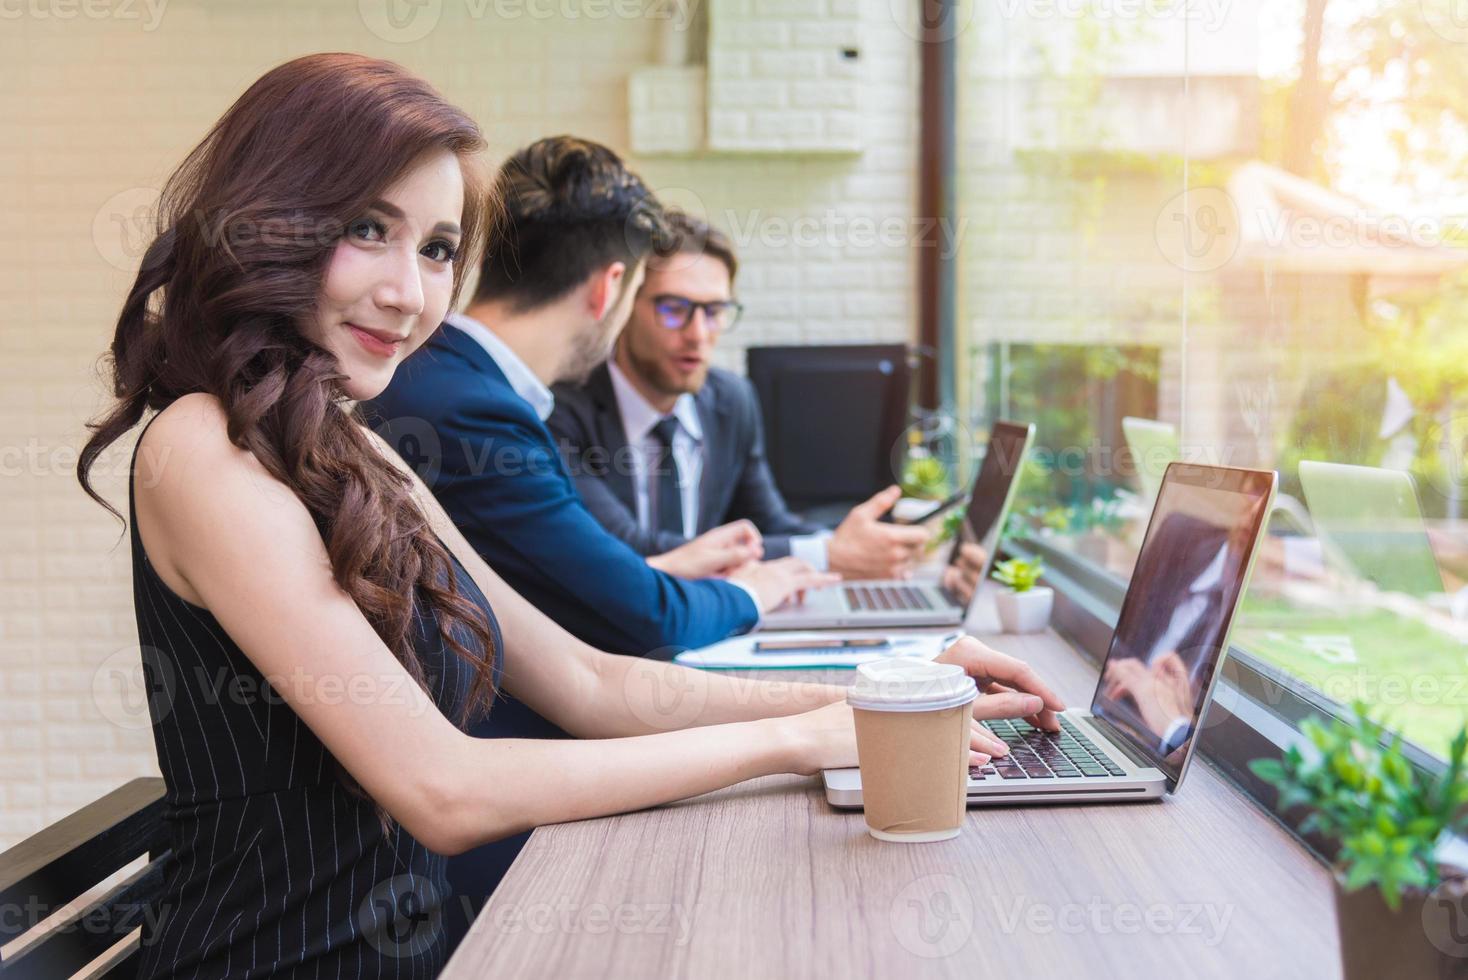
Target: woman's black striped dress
(277,867)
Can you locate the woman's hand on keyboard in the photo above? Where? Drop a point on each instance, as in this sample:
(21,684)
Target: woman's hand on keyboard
(1008,688)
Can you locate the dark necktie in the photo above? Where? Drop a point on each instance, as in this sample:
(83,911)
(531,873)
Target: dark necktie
(667,499)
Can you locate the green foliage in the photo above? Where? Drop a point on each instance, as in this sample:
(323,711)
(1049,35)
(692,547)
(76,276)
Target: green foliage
(1054,518)
(1417,339)
(951,523)
(1020,574)
(926,478)
(1034,487)
(1364,794)
(1101,514)
(1068,390)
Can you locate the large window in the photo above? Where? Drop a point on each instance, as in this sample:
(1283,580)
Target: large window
(1233,232)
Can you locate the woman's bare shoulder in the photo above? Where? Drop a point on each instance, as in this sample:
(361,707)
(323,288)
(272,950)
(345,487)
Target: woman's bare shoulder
(193,425)
(187,448)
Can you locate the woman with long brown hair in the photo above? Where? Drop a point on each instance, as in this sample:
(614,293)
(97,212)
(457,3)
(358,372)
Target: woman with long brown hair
(316,632)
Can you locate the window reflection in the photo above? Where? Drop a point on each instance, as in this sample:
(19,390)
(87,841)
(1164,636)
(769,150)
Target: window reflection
(1241,240)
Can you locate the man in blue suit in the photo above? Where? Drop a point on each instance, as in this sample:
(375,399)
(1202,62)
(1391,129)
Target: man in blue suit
(562,266)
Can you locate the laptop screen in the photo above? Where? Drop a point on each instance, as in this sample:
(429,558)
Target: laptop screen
(993,490)
(1174,622)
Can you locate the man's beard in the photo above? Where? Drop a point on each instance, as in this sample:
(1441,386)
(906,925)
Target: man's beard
(588,351)
(665,381)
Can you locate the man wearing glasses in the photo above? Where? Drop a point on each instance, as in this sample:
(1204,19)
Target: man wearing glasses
(663,447)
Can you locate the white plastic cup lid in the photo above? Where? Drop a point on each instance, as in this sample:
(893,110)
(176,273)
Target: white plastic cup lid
(910,684)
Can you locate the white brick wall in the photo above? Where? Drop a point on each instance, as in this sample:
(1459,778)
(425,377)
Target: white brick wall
(778,76)
(92,107)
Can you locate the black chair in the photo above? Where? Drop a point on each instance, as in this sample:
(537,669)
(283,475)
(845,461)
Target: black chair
(70,859)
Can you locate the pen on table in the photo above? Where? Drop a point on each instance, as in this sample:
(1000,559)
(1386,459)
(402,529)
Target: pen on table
(864,645)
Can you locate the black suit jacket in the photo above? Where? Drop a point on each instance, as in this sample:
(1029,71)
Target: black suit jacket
(736,481)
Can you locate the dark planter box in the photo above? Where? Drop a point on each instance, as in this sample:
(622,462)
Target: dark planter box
(1425,939)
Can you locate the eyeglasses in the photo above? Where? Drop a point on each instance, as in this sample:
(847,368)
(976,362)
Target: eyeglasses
(676,312)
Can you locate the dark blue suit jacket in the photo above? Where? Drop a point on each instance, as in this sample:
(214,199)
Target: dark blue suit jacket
(735,482)
(491,462)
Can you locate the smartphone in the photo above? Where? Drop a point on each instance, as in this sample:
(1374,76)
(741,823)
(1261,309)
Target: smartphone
(935,511)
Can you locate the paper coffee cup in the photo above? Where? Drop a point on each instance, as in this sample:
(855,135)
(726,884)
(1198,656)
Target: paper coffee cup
(912,743)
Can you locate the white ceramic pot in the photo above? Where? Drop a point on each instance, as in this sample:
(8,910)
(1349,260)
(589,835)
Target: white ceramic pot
(1025,612)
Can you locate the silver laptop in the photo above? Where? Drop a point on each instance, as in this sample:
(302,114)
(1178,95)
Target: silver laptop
(882,603)
(1137,739)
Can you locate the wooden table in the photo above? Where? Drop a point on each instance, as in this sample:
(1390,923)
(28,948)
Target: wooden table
(765,879)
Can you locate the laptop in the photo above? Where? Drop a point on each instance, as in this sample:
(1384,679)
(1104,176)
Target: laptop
(897,602)
(1368,520)
(1153,446)
(1137,738)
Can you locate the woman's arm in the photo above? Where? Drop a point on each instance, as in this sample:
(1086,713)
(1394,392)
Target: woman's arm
(225,534)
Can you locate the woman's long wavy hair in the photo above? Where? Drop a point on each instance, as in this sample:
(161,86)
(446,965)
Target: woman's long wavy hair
(246,228)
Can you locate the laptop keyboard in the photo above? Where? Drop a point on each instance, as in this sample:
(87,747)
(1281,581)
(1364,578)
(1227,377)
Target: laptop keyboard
(1038,754)
(886,598)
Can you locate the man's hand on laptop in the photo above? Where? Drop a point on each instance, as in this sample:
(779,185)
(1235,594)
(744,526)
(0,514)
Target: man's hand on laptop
(1162,692)
(863,547)
(962,576)
(713,553)
(1008,688)
(778,580)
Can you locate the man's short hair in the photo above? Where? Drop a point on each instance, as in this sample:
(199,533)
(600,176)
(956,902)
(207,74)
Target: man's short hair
(686,234)
(568,207)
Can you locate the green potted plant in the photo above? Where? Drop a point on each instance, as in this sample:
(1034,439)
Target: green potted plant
(1024,607)
(1398,911)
